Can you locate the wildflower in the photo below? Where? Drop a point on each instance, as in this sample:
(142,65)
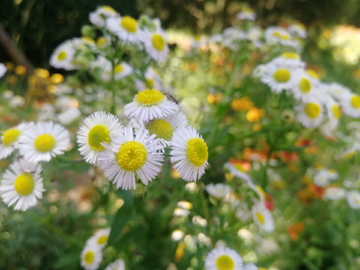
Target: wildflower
(246,14)
(298,29)
(10,139)
(218,191)
(294,230)
(350,103)
(43,141)
(63,56)
(126,28)
(3,70)
(99,16)
(156,46)
(117,265)
(91,256)
(100,127)
(22,185)
(305,88)
(334,193)
(353,199)
(121,70)
(189,152)
(239,171)
(101,237)
(262,217)
(279,75)
(137,154)
(242,104)
(152,80)
(150,104)
(223,258)
(310,114)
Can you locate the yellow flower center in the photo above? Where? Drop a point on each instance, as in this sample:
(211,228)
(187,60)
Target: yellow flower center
(355,101)
(312,110)
(129,24)
(97,135)
(349,155)
(103,239)
(262,192)
(239,167)
(332,171)
(108,8)
(305,85)
(260,218)
(336,111)
(88,40)
(118,69)
(282,75)
(10,136)
(149,97)
(100,41)
(89,257)
(290,55)
(161,128)
(150,83)
(225,262)
(158,42)
(62,56)
(44,143)
(197,151)
(131,156)
(24,184)
(276,34)
(312,73)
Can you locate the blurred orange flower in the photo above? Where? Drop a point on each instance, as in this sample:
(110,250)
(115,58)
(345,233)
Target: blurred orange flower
(242,104)
(255,114)
(294,230)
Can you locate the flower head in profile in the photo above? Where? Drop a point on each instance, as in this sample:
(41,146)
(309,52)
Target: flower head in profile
(121,70)
(246,14)
(353,199)
(150,104)
(22,185)
(101,237)
(117,265)
(239,171)
(334,193)
(218,190)
(99,16)
(10,139)
(156,46)
(99,127)
(350,103)
(137,154)
(43,141)
(189,153)
(152,81)
(223,258)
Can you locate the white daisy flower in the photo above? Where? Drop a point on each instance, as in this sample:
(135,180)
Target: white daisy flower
(44,141)
(10,139)
(63,56)
(100,127)
(218,191)
(68,116)
(91,256)
(333,111)
(274,34)
(305,87)
(353,199)
(164,127)
(259,71)
(22,185)
(103,42)
(197,41)
(238,171)
(189,152)
(117,265)
(321,178)
(150,104)
(279,75)
(216,38)
(298,30)
(126,28)
(153,80)
(137,154)
(3,70)
(292,58)
(350,103)
(332,174)
(101,237)
(99,16)
(334,193)
(262,217)
(156,45)
(121,70)
(223,258)
(246,15)
(336,90)
(310,114)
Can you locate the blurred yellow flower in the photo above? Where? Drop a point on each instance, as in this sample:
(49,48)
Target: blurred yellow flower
(242,104)
(56,78)
(214,98)
(42,73)
(20,70)
(9,66)
(255,114)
